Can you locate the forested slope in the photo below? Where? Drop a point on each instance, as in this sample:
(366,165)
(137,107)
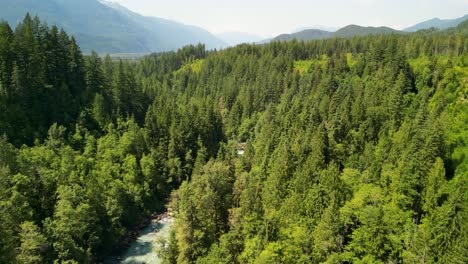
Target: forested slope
(356,152)
(355,149)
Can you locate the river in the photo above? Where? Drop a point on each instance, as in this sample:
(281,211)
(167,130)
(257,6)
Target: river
(144,248)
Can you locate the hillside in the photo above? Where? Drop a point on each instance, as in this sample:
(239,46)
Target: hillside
(437,23)
(346,32)
(109,28)
(355,30)
(169,34)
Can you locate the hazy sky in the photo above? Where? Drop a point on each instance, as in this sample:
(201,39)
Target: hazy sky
(271,17)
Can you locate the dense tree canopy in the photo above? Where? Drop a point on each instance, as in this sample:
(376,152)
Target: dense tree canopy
(355,149)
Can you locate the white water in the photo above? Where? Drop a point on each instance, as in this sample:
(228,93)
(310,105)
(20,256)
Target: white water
(144,249)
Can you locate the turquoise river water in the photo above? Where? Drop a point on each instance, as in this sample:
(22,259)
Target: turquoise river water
(144,249)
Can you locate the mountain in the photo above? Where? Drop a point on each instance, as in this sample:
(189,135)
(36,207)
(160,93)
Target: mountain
(174,34)
(355,30)
(235,38)
(109,28)
(309,34)
(437,23)
(346,32)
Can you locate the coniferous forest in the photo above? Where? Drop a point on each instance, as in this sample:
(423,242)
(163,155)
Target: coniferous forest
(356,149)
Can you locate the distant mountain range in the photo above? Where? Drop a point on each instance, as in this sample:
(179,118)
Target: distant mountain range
(437,23)
(346,32)
(355,30)
(109,27)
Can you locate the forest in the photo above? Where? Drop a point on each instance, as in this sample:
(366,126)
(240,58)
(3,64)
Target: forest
(356,149)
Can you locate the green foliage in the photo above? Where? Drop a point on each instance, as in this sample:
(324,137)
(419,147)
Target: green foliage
(202,207)
(33,244)
(354,149)
(349,158)
(302,66)
(194,66)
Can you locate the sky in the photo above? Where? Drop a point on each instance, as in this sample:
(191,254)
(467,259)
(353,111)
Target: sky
(272,17)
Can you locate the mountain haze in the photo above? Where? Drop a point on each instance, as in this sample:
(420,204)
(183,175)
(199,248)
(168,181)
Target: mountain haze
(321,27)
(437,23)
(169,34)
(109,28)
(235,38)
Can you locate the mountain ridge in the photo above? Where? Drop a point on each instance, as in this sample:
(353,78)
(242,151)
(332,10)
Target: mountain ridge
(179,33)
(107,28)
(437,23)
(345,32)
(357,30)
